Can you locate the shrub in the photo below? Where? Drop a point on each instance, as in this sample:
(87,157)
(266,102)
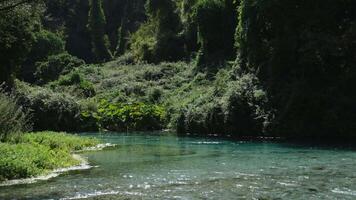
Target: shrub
(89,117)
(14,119)
(125,59)
(137,89)
(56,66)
(129,117)
(83,87)
(155,95)
(49,110)
(232,104)
(243,104)
(70,79)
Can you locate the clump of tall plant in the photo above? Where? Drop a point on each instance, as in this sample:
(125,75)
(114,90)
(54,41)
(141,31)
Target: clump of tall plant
(14,119)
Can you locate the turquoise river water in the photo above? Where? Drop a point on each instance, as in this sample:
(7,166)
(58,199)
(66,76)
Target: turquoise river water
(168,167)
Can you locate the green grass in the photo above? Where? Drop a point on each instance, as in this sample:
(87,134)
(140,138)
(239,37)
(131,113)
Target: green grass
(38,153)
(60,141)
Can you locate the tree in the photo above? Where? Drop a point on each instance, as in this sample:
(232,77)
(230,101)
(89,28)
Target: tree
(216,23)
(158,39)
(190,29)
(10,5)
(96,25)
(301,52)
(18,21)
(44,45)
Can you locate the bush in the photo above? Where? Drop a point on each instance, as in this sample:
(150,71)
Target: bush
(49,110)
(55,66)
(89,118)
(82,86)
(155,95)
(232,104)
(13,118)
(244,104)
(128,117)
(125,59)
(70,79)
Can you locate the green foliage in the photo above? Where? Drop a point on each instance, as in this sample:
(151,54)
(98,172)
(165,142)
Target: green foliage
(96,25)
(300,51)
(13,118)
(38,153)
(189,24)
(89,117)
(155,95)
(55,66)
(85,87)
(157,40)
(127,17)
(49,110)
(293,75)
(128,117)
(60,141)
(70,79)
(137,116)
(226,106)
(16,37)
(71,19)
(216,23)
(45,44)
(143,42)
(25,160)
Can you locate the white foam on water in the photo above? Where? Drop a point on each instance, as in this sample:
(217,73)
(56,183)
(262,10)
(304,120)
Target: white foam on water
(206,142)
(102,193)
(28,180)
(94,194)
(98,147)
(346,191)
(288,184)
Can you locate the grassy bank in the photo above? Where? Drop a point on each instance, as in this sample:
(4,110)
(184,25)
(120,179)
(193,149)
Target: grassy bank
(35,154)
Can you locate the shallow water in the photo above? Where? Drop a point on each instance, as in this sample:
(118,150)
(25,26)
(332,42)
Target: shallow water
(167,167)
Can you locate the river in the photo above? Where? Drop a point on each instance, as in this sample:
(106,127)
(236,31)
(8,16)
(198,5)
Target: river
(155,166)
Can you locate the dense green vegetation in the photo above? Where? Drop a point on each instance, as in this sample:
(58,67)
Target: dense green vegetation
(208,67)
(24,155)
(38,153)
(13,118)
